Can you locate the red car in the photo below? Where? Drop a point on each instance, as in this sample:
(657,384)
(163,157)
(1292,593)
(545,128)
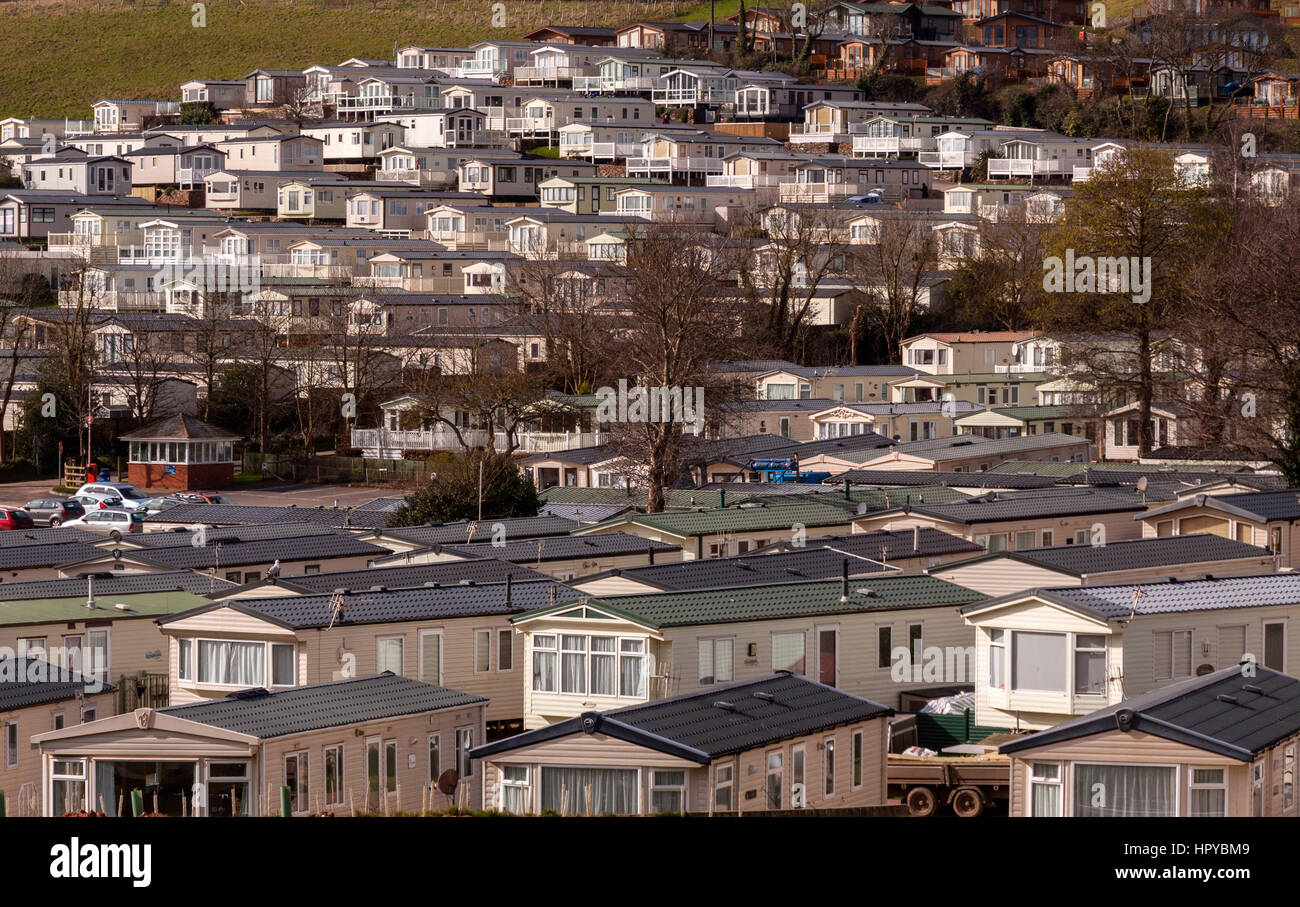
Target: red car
(14,518)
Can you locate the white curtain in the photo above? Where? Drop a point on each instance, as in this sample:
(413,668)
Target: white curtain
(1038,661)
(589,792)
(573,664)
(632,675)
(544,671)
(603,681)
(235,663)
(1123,790)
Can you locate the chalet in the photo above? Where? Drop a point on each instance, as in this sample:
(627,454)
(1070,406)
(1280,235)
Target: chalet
(384,742)
(132,115)
(1265,518)
(697,754)
(1049,654)
(222,95)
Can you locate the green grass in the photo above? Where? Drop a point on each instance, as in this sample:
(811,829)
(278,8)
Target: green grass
(63,55)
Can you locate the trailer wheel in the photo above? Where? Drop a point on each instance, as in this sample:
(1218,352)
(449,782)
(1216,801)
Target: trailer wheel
(968,803)
(921,801)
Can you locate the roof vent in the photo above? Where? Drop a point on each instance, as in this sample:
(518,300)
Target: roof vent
(1224,697)
(1252,688)
(765,696)
(725,706)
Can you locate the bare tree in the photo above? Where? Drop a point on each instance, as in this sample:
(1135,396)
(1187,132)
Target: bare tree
(890,272)
(683,312)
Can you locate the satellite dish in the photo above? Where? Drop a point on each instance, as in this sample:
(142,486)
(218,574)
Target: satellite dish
(1142,484)
(447,782)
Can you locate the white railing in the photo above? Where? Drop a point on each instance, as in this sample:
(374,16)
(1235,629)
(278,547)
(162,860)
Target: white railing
(288,269)
(946,160)
(674,165)
(744,180)
(346,103)
(892,144)
(613,83)
(818,192)
(530,125)
(608,151)
(193,174)
(423,178)
(479,69)
(1080,174)
(692,95)
(450,285)
(550,73)
(1012,167)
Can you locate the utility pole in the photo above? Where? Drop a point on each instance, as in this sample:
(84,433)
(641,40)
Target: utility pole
(480,487)
(90,417)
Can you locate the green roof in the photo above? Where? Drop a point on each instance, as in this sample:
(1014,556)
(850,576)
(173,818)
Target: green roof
(772,602)
(769,515)
(1039,468)
(56,610)
(879,497)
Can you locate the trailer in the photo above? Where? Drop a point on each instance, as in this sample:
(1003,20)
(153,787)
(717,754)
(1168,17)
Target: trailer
(967,784)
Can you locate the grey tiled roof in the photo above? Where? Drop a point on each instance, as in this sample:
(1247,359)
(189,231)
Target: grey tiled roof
(1013,506)
(717,721)
(563,547)
(798,565)
(956,447)
(108,583)
(479,570)
(896,543)
(298,710)
(1138,553)
(1170,597)
(26,681)
(925,477)
(583,513)
(56,536)
(181,538)
(425,603)
(458,533)
(247,514)
(1223,712)
(26,556)
(236,553)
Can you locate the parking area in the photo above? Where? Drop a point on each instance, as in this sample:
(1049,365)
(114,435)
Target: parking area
(18,493)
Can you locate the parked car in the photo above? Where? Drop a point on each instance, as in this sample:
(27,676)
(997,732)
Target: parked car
(15,518)
(132,498)
(116,523)
(199,497)
(96,501)
(54,511)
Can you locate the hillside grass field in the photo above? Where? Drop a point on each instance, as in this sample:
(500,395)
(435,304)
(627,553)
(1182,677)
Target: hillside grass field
(66,54)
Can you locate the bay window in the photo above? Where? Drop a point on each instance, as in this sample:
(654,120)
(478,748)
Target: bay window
(1038,662)
(997,659)
(1124,790)
(67,786)
(573,664)
(603,681)
(231,663)
(632,668)
(544,663)
(589,791)
(1089,665)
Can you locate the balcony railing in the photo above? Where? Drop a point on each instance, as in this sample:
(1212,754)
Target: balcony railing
(613,83)
(892,144)
(685,164)
(946,160)
(744,180)
(1013,167)
(542,74)
(192,175)
(693,95)
(419,177)
(530,126)
(608,151)
(818,192)
(448,285)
